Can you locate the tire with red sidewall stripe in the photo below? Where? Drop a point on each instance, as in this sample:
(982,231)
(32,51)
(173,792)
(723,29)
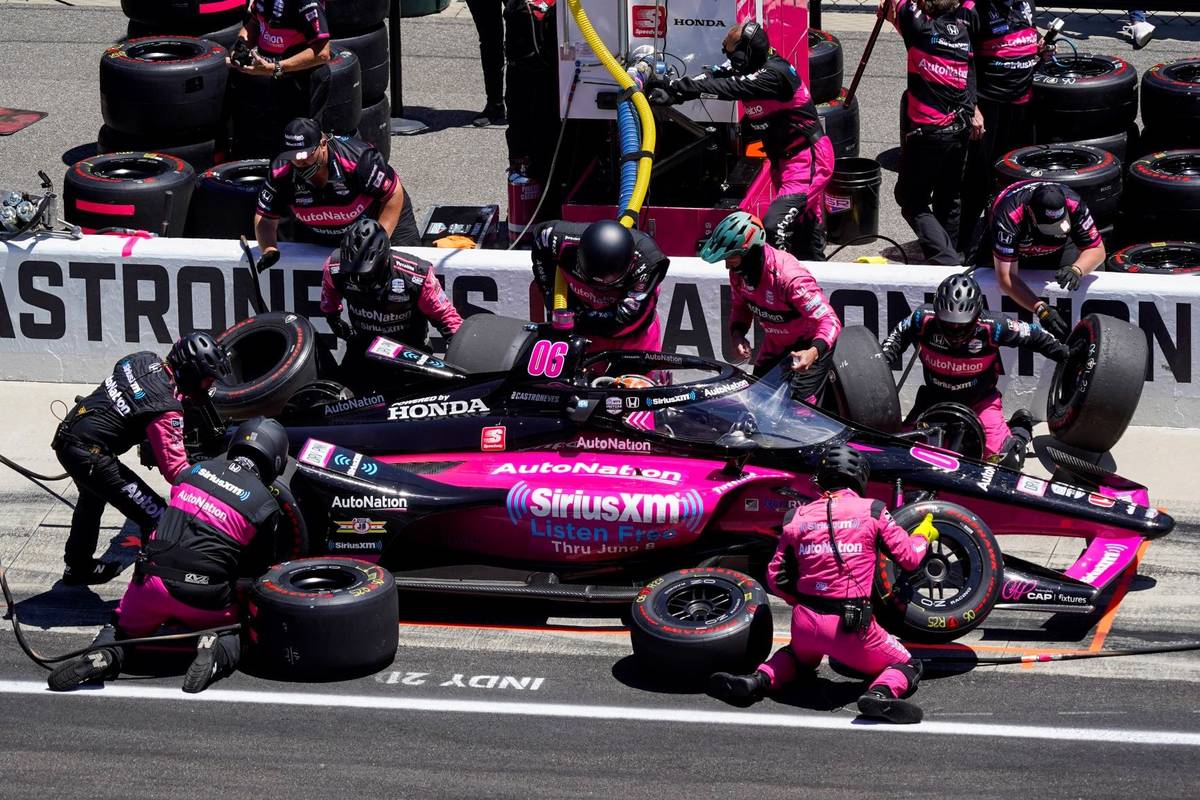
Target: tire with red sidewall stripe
(200,153)
(225,36)
(1095,391)
(1164,195)
(697,621)
(142,191)
(318,619)
(163,86)
(192,14)
(1084,96)
(924,605)
(273,355)
(1095,174)
(1157,258)
(1171,102)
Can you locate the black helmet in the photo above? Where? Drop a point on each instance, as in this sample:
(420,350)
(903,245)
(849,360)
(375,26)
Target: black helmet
(605,252)
(957,304)
(263,441)
(366,254)
(843,467)
(196,357)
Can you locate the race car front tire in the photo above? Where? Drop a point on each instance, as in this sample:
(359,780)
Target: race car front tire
(693,622)
(273,356)
(924,605)
(319,619)
(488,343)
(1095,391)
(864,390)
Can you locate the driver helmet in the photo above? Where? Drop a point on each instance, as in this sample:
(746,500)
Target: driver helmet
(265,443)
(366,255)
(957,304)
(735,235)
(196,361)
(748,52)
(605,252)
(632,381)
(1049,206)
(843,467)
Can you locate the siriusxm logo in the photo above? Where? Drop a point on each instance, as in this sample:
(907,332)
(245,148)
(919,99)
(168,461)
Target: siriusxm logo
(134,386)
(355,464)
(232,488)
(639,508)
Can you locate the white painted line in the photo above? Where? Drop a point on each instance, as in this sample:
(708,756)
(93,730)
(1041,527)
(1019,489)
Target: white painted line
(763,719)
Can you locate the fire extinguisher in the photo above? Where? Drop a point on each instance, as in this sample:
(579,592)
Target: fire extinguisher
(524,193)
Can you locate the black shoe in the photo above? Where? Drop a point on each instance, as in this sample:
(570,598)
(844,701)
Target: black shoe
(96,665)
(738,689)
(90,575)
(881,705)
(205,668)
(1022,419)
(492,114)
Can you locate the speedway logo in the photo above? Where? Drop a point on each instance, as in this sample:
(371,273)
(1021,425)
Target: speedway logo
(590,468)
(353,404)
(637,508)
(232,488)
(372,503)
(414,409)
(360,526)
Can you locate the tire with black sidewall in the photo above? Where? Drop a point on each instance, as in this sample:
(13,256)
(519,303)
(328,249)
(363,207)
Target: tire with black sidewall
(199,14)
(375,127)
(864,390)
(841,124)
(824,65)
(320,619)
(489,343)
(223,36)
(273,355)
(1083,96)
(199,153)
(348,17)
(1163,195)
(225,199)
(288,541)
(344,108)
(1094,174)
(141,191)
(1095,391)
(911,605)
(693,622)
(1171,102)
(163,85)
(1157,258)
(371,48)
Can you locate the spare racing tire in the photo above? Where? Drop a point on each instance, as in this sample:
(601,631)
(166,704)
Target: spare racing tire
(223,36)
(1083,96)
(694,622)
(375,126)
(489,343)
(197,14)
(1164,195)
(319,619)
(344,107)
(864,390)
(841,125)
(954,588)
(225,199)
(273,355)
(1095,174)
(288,541)
(348,17)
(197,152)
(1121,145)
(824,65)
(1095,391)
(142,191)
(163,85)
(1171,102)
(371,48)
(1157,258)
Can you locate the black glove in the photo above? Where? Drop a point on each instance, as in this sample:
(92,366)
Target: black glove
(1053,322)
(661,97)
(341,329)
(789,570)
(1068,277)
(268,259)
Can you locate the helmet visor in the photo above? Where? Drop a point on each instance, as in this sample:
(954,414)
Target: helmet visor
(957,332)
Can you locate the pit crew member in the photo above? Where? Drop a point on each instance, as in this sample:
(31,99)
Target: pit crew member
(773,287)
(186,572)
(823,567)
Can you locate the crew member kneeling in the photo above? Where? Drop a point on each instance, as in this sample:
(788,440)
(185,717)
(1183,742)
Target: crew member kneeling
(613,277)
(773,287)
(959,344)
(823,567)
(186,573)
(390,294)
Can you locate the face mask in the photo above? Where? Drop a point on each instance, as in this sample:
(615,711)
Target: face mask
(1055,229)
(310,170)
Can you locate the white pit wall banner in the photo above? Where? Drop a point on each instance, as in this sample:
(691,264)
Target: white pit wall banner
(70,309)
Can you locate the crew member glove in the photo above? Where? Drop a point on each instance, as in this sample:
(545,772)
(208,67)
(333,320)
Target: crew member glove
(1068,277)
(1052,321)
(660,96)
(927,529)
(341,329)
(268,259)
(789,570)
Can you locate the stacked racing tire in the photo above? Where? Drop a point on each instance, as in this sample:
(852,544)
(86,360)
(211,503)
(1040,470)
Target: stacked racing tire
(225,198)
(1163,196)
(1094,173)
(841,124)
(1157,258)
(138,191)
(1171,104)
(1084,97)
(357,26)
(824,66)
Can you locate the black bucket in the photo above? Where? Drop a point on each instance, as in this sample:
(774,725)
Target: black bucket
(852,200)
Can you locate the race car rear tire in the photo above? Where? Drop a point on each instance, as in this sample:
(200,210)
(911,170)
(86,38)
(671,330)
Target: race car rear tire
(1171,101)
(864,390)
(1095,391)
(1095,174)
(319,619)
(824,65)
(273,356)
(1157,258)
(488,343)
(163,86)
(694,622)
(371,48)
(141,191)
(348,17)
(1083,96)
(1164,195)
(375,126)
(200,152)
(909,604)
(225,198)
(841,125)
(344,107)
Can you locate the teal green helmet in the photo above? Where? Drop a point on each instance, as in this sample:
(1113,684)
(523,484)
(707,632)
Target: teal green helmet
(733,236)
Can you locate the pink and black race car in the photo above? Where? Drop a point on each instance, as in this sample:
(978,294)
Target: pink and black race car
(519,466)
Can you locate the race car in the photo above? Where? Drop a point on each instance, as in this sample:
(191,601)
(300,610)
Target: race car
(519,466)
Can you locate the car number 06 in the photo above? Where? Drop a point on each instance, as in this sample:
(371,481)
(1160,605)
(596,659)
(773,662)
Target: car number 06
(548,358)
